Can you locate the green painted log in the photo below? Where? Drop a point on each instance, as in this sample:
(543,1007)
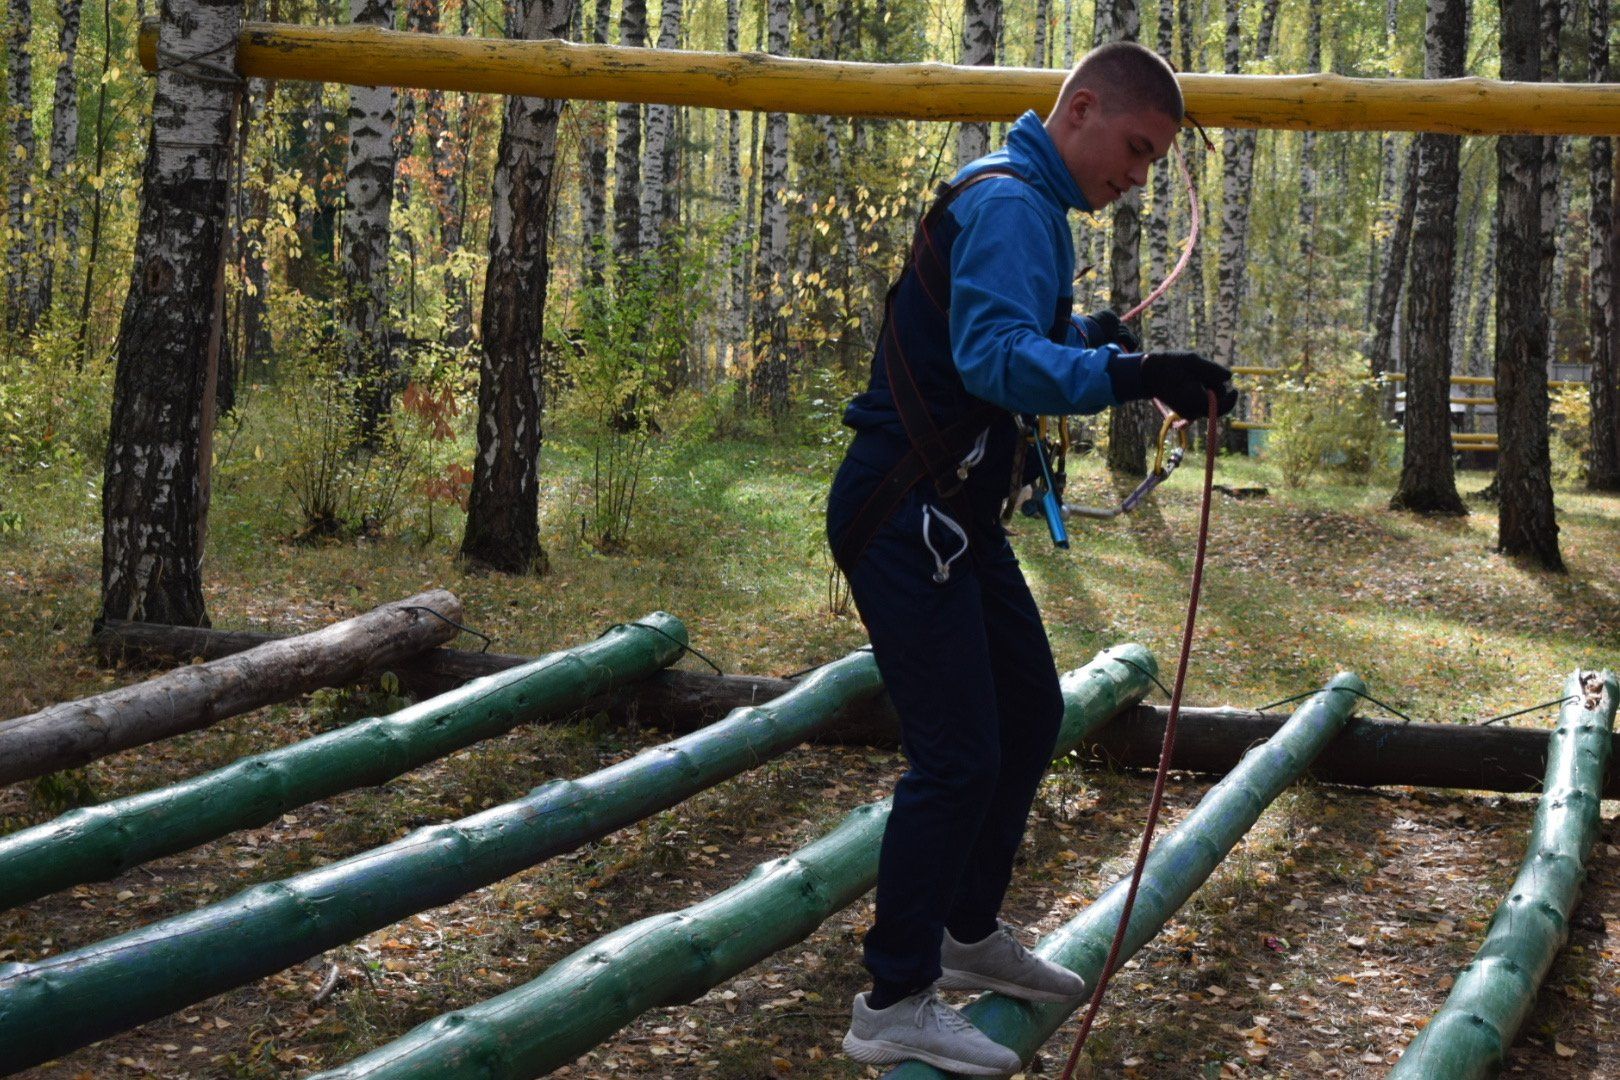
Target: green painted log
(63,1002)
(672,958)
(101,842)
(1178,864)
(1493,996)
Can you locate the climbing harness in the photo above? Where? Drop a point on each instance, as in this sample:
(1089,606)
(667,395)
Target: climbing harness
(943,456)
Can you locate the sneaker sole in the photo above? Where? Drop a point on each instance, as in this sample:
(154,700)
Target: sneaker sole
(951,979)
(881,1052)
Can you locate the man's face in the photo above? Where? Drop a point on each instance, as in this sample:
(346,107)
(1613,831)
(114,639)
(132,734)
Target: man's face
(1110,151)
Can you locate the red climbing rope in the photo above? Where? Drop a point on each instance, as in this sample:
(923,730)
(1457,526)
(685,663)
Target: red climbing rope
(1187,248)
(1165,752)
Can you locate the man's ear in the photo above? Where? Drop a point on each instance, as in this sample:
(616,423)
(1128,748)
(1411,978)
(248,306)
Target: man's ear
(1082,102)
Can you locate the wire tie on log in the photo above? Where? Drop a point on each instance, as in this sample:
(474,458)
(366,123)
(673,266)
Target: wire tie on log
(684,647)
(464,629)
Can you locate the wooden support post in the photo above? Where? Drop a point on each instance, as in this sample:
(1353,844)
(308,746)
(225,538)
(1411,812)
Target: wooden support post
(1367,753)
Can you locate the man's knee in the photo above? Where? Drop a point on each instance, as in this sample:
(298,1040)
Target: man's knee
(968,780)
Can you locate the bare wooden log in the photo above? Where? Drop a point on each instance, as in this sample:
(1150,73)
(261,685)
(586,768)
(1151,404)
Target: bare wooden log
(197,696)
(679,701)
(1368,753)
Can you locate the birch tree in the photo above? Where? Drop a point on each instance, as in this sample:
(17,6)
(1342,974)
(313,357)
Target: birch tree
(1159,325)
(735,242)
(1603,471)
(21,297)
(368,198)
(1132,424)
(981,30)
(627,152)
(1392,277)
(155,487)
(503,509)
(62,221)
(447,150)
(655,222)
(1525,522)
(1237,156)
(593,155)
(768,381)
(1428,482)
(1308,189)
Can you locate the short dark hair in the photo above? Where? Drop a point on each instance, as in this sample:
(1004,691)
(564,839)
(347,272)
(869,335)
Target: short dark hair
(1124,74)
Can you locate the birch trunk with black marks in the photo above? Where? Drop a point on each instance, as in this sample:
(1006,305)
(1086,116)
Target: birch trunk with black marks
(832,141)
(1133,424)
(1480,361)
(1388,196)
(1043,37)
(1237,155)
(368,197)
(1158,325)
(654,222)
(1393,277)
(981,29)
(447,150)
(768,382)
(1525,522)
(1068,34)
(23,253)
(155,487)
(503,510)
(61,223)
(1603,470)
(1307,196)
(1460,282)
(735,243)
(593,154)
(627,152)
(1428,483)
(1550,13)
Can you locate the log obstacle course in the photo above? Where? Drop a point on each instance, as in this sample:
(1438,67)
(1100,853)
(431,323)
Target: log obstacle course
(53,1005)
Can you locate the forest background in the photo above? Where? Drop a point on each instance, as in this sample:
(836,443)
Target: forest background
(714,273)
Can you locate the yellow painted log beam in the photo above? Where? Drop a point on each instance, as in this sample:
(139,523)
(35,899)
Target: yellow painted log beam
(560,69)
(1400,376)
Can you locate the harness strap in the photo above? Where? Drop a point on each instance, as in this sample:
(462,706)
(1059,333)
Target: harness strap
(935,454)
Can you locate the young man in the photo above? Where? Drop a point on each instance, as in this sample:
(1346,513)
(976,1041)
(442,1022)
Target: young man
(976,333)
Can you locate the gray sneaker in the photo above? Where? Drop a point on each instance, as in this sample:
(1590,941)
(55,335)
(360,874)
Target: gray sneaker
(1000,962)
(924,1028)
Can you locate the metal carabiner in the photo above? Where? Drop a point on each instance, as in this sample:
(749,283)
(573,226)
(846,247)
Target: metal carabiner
(1163,466)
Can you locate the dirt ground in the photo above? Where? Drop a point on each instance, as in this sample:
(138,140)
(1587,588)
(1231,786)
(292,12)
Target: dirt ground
(1318,949)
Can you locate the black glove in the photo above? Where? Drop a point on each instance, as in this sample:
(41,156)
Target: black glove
(1104,328)
(1179,379)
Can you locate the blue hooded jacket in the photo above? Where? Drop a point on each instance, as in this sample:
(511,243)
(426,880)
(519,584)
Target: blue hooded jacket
(1004,335)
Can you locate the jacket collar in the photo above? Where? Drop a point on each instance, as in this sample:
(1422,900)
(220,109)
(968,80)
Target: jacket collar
(1031,152)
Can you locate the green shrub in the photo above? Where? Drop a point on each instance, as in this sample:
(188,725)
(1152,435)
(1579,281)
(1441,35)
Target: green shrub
(340,484)
(1332,420)
(1570,419)
(53,406)
(629,335)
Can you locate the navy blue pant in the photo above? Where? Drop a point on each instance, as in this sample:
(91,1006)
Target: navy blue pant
(967,665)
